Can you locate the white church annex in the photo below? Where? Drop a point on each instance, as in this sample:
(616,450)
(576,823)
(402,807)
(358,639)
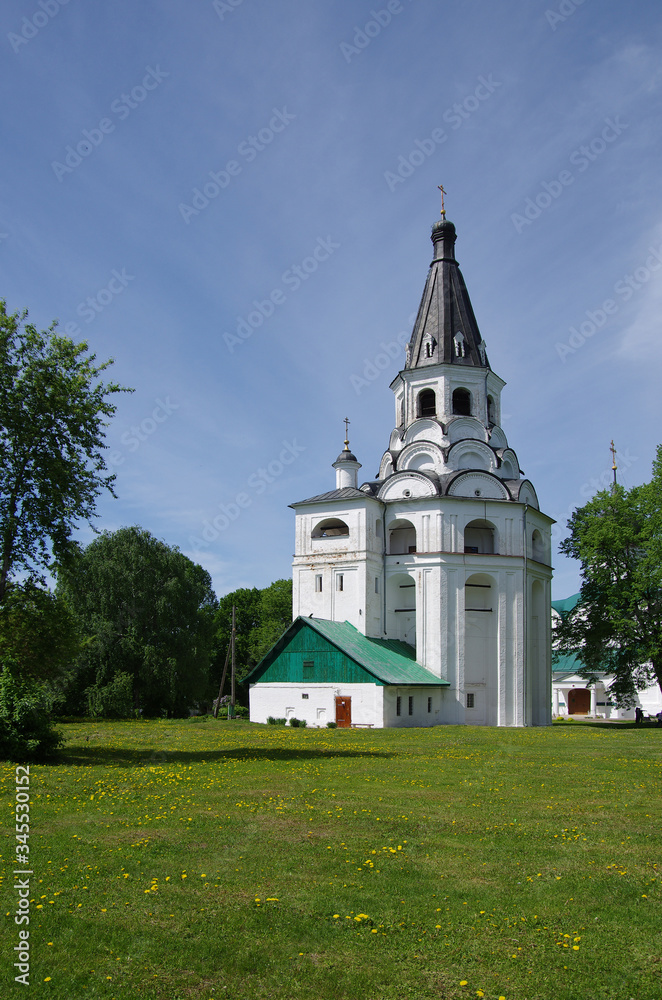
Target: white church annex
(446,555)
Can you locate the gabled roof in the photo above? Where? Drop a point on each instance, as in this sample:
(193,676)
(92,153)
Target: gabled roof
(389,661)
(445,311)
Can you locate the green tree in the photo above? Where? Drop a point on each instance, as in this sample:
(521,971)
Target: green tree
(38,631)
(26,728)
(261,617)
(275,616)
(617,624)
(54,408)
(149,611)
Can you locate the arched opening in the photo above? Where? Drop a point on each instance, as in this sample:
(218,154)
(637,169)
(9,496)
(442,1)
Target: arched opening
(426,403)
(480,650)
(491,411)
(537,547)
(401,537)
(479,537)
(462,403)
(330,527)
(401,607)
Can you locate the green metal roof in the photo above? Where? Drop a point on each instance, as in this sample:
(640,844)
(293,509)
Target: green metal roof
(567,663)
(567,604)
(387,660)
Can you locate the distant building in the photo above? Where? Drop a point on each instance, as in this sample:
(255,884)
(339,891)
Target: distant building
(572,695)
(444,558)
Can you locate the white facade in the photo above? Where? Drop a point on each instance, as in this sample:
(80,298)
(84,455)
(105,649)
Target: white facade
(447,549)
(373,706)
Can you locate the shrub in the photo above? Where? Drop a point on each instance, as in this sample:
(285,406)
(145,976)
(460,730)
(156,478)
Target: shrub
(295,723)
(332,725)
(113,700)
(271,721)
(26,728)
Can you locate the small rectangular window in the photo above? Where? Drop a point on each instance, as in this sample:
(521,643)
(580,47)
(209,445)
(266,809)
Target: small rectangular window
(412,548)
(398,705)
(411,705)
(308,667)
(304,695)
(376,584)
(429,704)
(471,700)
(318,584)
(340,582)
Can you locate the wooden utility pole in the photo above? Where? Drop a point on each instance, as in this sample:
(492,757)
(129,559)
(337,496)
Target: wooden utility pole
(232,647)
(217,703)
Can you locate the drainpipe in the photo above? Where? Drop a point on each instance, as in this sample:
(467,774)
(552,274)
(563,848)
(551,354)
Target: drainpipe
(525,679)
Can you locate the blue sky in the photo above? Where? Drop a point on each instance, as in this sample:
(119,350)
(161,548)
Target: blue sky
(299,120)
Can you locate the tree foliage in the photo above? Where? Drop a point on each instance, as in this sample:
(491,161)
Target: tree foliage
(149,613)
(38,631)
(54,407)
(617,624)
(261,617)
(27,732)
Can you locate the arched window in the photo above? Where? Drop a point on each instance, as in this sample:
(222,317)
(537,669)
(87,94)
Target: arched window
(479,537)
(330,527)
(462,403)
(427,403)
(401,537)
(537,547)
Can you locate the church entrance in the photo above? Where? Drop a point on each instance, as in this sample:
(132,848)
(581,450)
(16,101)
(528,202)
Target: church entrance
(579,701)
(343,713)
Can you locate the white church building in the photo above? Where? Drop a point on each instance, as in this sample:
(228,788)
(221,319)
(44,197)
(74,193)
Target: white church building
(422,597)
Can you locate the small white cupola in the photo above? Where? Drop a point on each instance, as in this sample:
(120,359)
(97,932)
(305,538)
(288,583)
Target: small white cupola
(346,465)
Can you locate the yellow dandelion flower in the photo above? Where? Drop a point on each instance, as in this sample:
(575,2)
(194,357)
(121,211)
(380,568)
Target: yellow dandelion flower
(463,982)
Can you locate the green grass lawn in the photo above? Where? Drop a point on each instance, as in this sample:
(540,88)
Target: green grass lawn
(201,859)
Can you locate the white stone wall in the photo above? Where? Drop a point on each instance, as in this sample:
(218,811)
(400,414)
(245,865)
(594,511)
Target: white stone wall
(420,715)
(283,700)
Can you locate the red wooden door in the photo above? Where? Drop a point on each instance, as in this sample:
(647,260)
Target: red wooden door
(343,713)
(579,701)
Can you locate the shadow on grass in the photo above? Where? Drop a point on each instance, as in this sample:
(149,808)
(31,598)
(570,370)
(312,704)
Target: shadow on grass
(124,757)
(615,725)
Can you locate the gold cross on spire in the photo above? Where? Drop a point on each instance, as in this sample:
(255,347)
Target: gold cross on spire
(443,208)
(613,459)
(346,433)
